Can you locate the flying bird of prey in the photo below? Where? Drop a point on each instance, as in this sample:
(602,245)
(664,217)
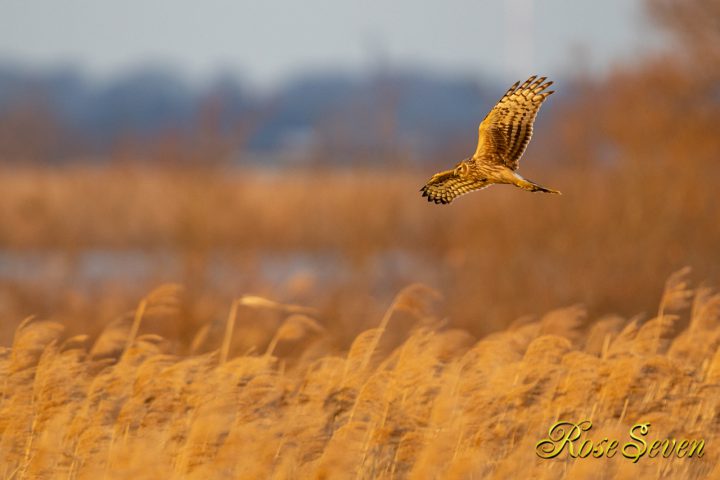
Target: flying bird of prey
(503,136)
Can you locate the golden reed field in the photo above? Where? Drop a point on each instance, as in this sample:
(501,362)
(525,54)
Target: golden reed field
(226,321)
(428,402)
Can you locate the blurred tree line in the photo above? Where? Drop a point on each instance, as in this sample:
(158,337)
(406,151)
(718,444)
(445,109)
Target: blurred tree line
(658,107)
(151,115)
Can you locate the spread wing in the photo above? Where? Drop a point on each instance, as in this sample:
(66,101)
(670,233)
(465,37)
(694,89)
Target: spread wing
(443,187)
(507,129)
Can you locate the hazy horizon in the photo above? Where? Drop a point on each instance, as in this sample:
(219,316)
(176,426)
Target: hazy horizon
(265,44)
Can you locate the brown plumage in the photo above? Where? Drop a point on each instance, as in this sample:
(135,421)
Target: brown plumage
(502,138)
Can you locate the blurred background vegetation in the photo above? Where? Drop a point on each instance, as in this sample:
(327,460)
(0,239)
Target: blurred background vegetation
(308,192)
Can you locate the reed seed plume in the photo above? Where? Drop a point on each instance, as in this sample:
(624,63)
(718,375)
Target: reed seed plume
(677,293)
(162,300)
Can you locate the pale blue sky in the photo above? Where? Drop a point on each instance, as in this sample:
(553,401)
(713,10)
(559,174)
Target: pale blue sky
(267,41)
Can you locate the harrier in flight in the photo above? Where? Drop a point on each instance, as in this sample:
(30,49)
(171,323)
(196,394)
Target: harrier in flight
(504,135)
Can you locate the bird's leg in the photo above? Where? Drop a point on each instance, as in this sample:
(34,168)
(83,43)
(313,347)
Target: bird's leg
(531,186)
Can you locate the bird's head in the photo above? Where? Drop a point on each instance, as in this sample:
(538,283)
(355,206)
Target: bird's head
(462,168)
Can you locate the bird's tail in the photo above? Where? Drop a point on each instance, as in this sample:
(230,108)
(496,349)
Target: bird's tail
(531,186)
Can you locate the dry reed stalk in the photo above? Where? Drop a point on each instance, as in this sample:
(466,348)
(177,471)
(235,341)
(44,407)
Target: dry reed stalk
(299,321)
(293,328)
(229,328)
(411,298)
(163,299)
(135,327)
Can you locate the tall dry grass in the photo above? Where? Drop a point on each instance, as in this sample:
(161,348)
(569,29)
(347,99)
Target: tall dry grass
(420,400)
(498,254)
